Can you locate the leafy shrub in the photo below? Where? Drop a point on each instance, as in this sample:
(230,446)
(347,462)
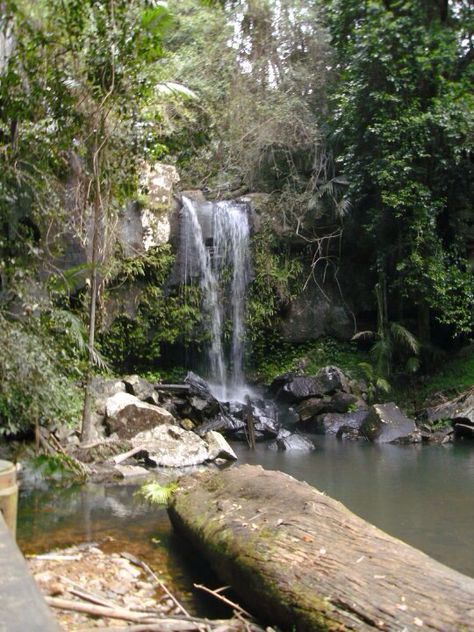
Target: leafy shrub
(274,357)
(33,387)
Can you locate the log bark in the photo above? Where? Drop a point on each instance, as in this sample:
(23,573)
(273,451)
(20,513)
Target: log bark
(303,561)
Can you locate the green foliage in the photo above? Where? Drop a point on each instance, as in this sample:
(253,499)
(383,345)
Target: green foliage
(277,357)
(34,387)
(162,316)
(55,469)
(453,376)
(275,282)
(403,131)
(157,494)
(377,386)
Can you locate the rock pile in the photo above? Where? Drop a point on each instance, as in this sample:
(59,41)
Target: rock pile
(330,403)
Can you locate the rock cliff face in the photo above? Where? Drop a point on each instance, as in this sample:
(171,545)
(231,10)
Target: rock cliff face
(157,218)
(141,225)
(317,312)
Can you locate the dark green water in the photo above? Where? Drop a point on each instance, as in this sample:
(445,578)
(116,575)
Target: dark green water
(422,495)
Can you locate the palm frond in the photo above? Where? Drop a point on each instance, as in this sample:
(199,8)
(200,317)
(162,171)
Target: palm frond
(363,335)
(343,207)
(404,337)
(98,359)
(74,325)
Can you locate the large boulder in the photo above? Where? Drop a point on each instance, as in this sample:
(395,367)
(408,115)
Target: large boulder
(385,423)
(127,415)
(332,379)
(293,388)
(201,404)
(294,442)
(222,422)
(331,423)
(297,388)
(171,446)
(141,388)
(218,447)
(309,409)
(102,389)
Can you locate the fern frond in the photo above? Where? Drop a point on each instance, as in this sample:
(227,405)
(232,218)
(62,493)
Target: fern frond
(383,385)
(157,494)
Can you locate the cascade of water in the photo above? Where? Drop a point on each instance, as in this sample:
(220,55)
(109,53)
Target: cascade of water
(228,256)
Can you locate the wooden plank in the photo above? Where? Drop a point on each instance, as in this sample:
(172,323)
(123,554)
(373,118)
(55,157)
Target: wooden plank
(8,494)
(23,608)
(304,562)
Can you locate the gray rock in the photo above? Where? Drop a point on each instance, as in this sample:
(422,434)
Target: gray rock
(330,423)
(201,401)
(385,423)
(348,433)
(131,471)
(459,409)
(218,447)
(171,446)
(265,416)
(102,389)
(340,402)
(332,379)
(141,388)
(343,402)
(310,408)
(293,388)
(227,424)
(318,311)
(298,388)
(127,415)
(295,442)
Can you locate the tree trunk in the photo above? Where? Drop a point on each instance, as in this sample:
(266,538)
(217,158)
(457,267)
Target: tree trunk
(304,562)
(86,430)
(424,324)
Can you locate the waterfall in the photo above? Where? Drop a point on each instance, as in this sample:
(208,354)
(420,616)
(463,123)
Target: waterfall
(216,238)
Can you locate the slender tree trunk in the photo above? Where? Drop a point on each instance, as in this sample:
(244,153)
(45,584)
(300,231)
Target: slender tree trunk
(424,325)
(87,426)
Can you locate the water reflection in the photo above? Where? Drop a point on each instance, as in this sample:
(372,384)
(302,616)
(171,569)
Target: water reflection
(115,517)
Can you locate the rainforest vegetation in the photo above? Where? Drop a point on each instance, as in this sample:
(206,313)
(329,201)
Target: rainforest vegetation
(353,120)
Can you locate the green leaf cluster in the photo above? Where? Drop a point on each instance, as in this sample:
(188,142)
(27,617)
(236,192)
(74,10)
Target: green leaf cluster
(403,133)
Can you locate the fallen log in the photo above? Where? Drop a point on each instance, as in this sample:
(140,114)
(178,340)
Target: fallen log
(303,561)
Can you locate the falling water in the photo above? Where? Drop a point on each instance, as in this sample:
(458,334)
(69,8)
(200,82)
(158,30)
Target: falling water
(223,266)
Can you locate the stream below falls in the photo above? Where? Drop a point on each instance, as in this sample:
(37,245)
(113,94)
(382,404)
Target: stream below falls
(423,495)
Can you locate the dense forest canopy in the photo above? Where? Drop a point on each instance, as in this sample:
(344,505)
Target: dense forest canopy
(354,117)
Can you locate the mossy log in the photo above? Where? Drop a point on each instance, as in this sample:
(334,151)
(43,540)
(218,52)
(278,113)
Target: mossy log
(303,561)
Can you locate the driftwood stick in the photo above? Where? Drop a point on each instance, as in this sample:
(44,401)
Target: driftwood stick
(86,596)
(119,458)
(228,602)
(465,426)
(141,564)
(98,611)
(177,625)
